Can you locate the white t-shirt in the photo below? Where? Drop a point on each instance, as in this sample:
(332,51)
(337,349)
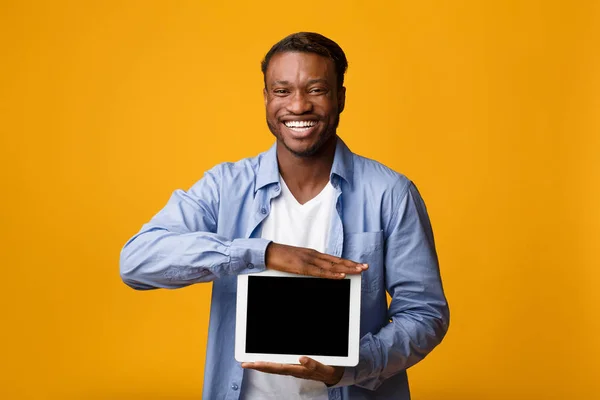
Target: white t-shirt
(303,225)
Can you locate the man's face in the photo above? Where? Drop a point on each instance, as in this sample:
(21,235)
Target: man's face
(303,101)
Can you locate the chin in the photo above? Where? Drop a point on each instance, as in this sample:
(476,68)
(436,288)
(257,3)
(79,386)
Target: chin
(305,152)
(305,149)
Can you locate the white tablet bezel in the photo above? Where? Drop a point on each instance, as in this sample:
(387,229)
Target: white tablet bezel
(353,329)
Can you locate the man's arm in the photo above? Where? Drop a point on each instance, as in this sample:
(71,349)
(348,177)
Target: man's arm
(419,314)
(179,246)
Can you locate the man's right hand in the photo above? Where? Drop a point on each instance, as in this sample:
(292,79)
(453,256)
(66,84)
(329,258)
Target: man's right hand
(302,261)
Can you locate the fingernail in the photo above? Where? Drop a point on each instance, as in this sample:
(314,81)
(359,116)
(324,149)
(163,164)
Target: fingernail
(342,275)
(365,265)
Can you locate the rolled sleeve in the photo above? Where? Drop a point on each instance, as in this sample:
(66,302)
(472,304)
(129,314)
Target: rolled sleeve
(248,255)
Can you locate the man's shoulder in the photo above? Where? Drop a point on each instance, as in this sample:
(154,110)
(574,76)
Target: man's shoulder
(377,175)
(238,171)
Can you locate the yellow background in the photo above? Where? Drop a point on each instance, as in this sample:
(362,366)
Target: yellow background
(491,107)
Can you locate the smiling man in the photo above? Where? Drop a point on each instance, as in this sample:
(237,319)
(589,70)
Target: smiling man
(307,206)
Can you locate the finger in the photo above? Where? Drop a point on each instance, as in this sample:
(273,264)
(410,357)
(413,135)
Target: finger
(341,266)
(311,269)
(319,271)
(298,371)
(316,367)
(341,261)
(360,267)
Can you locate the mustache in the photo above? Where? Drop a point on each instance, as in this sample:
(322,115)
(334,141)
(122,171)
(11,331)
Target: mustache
(310,116)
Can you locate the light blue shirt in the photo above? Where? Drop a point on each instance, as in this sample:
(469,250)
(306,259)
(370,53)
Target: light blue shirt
(212,233)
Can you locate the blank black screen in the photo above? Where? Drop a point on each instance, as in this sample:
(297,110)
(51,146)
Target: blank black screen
(305,316)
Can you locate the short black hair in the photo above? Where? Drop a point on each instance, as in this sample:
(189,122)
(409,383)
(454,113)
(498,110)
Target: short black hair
(309,42)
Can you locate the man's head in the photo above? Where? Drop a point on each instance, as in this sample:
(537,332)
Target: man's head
(304,92)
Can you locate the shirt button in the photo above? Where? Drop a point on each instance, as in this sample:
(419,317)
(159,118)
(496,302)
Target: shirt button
(277,188)
(263,210)
(250,265)
(234,386)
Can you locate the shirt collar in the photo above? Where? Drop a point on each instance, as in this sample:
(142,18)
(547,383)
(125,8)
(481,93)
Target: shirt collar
(268,170)
(343,165)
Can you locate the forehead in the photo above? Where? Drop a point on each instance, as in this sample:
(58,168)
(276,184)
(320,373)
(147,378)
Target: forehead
(296,67)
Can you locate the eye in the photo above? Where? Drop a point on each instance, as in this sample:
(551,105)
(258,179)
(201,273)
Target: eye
(280,91)
(317,90)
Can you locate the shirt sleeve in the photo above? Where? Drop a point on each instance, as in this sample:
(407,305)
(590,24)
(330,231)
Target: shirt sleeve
(419,314)
(179,246)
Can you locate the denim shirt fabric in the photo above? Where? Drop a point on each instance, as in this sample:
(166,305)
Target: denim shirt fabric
(211,233)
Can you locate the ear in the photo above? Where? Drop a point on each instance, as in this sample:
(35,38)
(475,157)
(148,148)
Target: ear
(341,95)
(265,95)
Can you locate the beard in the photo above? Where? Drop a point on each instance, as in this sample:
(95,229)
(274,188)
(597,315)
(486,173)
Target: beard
(323,137)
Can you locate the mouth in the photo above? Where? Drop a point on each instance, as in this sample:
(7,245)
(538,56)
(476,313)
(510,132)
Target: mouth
(301,129)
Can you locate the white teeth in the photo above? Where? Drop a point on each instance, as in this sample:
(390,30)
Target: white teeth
(300,124)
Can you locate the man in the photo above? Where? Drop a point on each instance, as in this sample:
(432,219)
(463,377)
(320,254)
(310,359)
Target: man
(307,206)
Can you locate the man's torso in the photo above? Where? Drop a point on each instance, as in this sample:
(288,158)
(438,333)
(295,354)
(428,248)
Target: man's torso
(364,204)
(301,225)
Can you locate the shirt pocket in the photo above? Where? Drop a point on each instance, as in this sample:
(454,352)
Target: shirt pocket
(367,248)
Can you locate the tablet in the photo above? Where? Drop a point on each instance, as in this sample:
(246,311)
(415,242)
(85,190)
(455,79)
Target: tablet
(282,316)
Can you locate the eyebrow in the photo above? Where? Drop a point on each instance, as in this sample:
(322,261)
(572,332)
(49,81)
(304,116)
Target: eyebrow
(310,82)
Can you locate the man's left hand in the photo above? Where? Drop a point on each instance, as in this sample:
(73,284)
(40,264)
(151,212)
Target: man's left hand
(308,369)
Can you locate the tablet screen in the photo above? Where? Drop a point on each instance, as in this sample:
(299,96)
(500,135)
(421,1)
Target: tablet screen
(307,316)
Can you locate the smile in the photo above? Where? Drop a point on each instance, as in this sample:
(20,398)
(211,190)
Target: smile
(299,126)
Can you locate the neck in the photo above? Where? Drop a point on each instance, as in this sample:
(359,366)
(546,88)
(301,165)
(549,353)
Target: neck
(306,173)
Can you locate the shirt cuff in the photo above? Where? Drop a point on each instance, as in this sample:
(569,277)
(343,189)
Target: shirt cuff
(347,378)
(248,255)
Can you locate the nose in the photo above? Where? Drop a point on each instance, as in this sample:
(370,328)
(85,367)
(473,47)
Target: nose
(299,103)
